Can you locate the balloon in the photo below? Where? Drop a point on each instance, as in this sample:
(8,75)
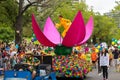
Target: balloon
(101,49)
(35,39)
(98,47)
(113,43)
(33,35)
(96,50)
(113,39)
(119,47)
(104,44)
(116,41)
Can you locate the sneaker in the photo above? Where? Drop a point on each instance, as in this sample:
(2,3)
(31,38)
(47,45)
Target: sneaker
(100,74)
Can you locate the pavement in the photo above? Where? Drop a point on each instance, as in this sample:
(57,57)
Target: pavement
(112,75)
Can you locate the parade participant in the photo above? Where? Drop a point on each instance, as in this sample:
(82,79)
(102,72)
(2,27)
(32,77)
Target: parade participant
(110,57)
(104,63)
(32,62)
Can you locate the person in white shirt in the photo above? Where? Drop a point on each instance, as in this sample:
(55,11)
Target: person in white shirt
(104,63)
(13,52)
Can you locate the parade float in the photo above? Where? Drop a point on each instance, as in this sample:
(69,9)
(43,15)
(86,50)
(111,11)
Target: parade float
(75,34)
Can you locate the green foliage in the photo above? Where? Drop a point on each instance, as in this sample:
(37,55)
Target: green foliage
(103,27)
(117,7)
(7,18)
(6,33)
(27,26)
(115,14)
(9,9)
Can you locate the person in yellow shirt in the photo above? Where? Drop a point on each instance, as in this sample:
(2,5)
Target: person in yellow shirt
(110,57)
(65,24)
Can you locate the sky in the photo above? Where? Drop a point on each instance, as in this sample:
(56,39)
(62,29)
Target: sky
(101,6)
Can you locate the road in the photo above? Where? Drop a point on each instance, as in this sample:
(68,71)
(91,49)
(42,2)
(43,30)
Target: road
(112,74)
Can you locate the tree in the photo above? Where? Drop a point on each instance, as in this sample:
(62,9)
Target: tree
(43,4)
(6,33)
(69,9)
(102,28)
(115,15)
(17,14)
(7,13)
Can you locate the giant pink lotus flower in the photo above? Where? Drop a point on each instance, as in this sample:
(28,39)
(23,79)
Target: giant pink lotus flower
(77,34)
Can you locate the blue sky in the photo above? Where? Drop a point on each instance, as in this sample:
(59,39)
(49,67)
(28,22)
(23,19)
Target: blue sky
(101,6)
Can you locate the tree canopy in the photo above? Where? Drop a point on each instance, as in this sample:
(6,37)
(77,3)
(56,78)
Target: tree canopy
(105,28)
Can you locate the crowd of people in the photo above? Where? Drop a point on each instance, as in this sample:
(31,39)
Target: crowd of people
(11,54)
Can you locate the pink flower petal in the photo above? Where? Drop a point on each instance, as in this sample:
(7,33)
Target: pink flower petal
(89,30)
(51,32)
(39,35)
(76,32)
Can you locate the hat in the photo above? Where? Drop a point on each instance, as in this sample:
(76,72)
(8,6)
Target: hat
(28,53)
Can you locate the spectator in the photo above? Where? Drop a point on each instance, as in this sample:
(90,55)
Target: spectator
(33,63)
(116,61)
(94,57)
(104,63)
(110,57)
(13,60)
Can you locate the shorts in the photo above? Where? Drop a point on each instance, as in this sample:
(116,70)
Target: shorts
(116,61)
